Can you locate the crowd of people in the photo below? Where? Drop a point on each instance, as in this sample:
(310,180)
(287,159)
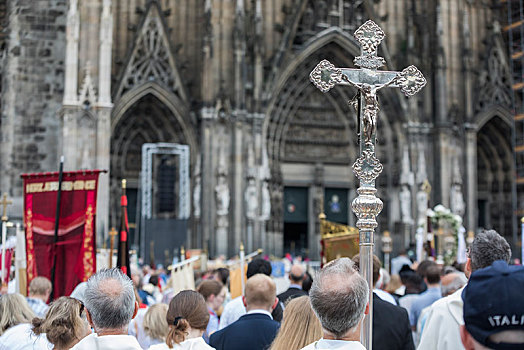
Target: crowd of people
(423,306)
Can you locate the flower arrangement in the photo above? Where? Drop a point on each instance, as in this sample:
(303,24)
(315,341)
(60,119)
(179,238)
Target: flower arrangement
(442,218)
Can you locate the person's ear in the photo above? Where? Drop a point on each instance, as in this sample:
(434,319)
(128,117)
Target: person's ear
(244,300)
(467,268)
(466,338)
(136,310)
(89,319)
(366,311)
(274,304)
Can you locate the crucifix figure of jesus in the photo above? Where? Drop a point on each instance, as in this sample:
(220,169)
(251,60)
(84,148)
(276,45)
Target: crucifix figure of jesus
(368,80)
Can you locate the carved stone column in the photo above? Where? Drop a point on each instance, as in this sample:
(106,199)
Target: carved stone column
(106,45)
(443,125)
(208,193)
(70,137)
(471,177)
(237,186)
(316,194)
(222,196)
(103,162)
(71,59)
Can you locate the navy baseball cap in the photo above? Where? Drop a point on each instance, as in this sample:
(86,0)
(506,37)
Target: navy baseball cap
(493,302)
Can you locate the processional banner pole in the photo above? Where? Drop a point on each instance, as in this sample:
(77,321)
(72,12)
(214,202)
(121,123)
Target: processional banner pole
(367,80)
(5,203)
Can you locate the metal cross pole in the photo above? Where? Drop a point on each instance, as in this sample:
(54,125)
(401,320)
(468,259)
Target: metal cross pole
(368,80)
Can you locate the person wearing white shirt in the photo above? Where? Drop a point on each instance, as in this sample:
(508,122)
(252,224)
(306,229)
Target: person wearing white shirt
(339,297)
(15,327)
(110,305)
(236,309)
(442,327)
(187,317)
(21,337)
(398,262)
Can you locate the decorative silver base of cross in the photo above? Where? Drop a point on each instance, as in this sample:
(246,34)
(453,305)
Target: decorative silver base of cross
(367,167)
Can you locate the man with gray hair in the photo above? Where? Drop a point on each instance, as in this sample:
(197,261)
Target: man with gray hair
(110,304)
(339,297)
(39,291)
(441,330)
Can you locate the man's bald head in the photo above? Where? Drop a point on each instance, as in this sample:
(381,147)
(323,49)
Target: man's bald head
(110,299)
(339,296)
(260,292)
(296,274)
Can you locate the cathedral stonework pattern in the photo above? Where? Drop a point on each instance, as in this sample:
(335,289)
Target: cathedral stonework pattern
(231,80)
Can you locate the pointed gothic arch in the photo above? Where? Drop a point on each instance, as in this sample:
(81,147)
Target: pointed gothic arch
(307,129)
(177,107)
(152,57)
(495,170)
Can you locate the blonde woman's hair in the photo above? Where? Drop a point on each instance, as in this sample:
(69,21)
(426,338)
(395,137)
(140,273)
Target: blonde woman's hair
(63,324)
(300,326)
(14,310)
(155,324)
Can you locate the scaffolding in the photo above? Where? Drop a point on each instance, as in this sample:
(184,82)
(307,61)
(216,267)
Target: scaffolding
(514,29)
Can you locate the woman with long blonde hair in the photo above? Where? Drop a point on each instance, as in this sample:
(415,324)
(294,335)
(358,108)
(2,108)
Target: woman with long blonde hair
(300,326)
(64,323)
(15,324)
(14,310)
(155,324)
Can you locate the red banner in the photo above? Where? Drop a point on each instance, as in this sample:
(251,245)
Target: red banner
(75,250)
(7,260)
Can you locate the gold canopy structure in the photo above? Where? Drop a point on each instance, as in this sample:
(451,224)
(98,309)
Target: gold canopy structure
(337,240)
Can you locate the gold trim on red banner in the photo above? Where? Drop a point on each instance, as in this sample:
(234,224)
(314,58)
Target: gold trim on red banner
(88,257)
(30,248)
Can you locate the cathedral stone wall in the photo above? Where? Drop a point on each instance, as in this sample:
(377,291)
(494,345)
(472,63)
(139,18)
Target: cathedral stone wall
(33,83)
(230,79)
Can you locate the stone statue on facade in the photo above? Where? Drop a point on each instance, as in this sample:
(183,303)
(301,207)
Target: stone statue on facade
(222,196)
(222,187)
(406,181)
(458,206)
(266,202)
(422,206)
(265,175)
(251,199)
(405,204)
(423,188)
(197,190)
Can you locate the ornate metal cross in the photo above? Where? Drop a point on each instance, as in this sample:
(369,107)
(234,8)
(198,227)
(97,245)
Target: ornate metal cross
(368,80)
(4,204)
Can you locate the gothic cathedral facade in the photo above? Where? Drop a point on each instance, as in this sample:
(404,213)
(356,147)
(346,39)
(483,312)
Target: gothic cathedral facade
(94,80)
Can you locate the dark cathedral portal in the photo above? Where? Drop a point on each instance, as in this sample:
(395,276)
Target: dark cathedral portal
(296,220)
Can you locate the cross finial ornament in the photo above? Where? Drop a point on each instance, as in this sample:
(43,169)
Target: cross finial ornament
(367,80)
(112,234)
(4,204)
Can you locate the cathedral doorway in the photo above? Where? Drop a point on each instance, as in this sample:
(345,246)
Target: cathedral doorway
(296,217)
(147,120)
(311,140)
(495,176)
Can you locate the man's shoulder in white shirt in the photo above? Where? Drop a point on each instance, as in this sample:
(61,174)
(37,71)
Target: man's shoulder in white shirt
(21,337)
(325,344)
(108,342)
(232,312)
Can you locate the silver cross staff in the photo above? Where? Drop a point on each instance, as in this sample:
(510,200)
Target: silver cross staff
(367,167)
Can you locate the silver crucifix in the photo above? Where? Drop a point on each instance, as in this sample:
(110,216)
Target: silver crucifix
(368,80)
